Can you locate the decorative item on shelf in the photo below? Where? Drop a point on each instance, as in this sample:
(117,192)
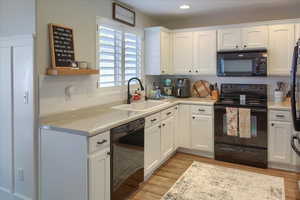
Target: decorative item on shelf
(63,60)
(123,14)
(82,65)
(61,45)
(201,89)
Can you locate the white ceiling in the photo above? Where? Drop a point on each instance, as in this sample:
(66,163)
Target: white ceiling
(169,9)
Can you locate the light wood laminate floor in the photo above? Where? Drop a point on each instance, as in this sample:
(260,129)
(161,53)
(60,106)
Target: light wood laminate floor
(164,178)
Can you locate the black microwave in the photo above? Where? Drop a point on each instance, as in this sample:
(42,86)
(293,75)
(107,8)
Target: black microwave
(242,63)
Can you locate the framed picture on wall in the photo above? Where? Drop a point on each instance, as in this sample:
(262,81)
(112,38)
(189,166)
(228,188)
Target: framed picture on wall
(123,14)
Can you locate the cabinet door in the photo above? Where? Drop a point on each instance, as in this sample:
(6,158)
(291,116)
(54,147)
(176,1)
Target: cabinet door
(183,135)
(167,137)
(297,36)
(229,39)
(202,133)
(281,47)
(205,49)
(255,37)
(99,176)
(165,53)
(279,142)
(152,148)
(183,53)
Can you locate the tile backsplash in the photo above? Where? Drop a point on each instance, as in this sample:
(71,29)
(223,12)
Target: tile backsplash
(270,81)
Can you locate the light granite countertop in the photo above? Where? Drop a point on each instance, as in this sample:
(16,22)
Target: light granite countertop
(94,120)
(285,105)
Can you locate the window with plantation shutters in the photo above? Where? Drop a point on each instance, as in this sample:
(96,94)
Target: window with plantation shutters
(119,56)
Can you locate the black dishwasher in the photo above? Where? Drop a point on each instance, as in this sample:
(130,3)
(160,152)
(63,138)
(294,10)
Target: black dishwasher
(127,160)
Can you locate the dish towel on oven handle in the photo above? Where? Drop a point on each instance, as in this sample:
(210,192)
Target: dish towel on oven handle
(245,122)
(232,121)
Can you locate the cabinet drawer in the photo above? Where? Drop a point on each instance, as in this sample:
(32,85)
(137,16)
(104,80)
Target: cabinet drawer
(99,142)
(152,120)
(278,115)
(201,110)
(168,113)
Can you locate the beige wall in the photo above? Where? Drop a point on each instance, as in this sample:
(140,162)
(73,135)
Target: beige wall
(17,17)
(81,15)
(234,16)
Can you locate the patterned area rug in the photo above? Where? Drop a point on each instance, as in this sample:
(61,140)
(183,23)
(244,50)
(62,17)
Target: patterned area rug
(209,182)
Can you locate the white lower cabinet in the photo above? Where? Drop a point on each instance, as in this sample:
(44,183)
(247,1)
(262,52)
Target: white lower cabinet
(167,137)
(99,175)
(183,133)
(279,142)
(202,133)
(280,153)
(152,148)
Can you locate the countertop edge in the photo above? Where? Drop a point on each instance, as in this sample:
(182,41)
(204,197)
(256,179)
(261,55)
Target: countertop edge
(109,126)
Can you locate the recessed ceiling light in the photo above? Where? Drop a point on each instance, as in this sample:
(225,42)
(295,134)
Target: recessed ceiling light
(184,7)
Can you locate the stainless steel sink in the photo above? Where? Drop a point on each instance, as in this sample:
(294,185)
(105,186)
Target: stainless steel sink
(141,106)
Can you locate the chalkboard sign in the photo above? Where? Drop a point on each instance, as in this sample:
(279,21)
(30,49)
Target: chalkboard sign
(62,46)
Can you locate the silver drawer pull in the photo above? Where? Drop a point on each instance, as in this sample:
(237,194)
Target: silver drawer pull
(102,142)
(281,116)
(169,113)
(153,120)
(201,110)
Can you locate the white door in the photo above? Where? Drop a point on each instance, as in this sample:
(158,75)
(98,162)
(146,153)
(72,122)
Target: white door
(183,135)
(279,142)
(202,133)
(183,53)
(229,39)
(281,46)
(167,137)
(165,53)
(6,132)
(152,148)
(205,49)
(255,37)
(99,176)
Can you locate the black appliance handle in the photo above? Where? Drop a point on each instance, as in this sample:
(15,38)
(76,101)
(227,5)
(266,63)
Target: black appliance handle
(293,138)
(296,121)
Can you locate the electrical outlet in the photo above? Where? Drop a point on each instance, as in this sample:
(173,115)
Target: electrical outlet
(20,174)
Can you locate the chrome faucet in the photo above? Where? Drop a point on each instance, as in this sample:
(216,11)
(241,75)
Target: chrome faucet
(128,87)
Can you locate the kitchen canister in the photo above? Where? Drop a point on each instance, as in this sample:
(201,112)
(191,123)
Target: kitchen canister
(278,96)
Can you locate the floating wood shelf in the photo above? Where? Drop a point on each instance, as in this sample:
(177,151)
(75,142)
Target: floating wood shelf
(66,71)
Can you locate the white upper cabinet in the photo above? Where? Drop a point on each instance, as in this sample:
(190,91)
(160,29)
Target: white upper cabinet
(165,54)
(157,51)
(229,39)
(243,38)
(281,45)
(183,53)
(205,48)
(255,37)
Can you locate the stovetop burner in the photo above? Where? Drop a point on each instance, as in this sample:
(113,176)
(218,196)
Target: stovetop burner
(255,95)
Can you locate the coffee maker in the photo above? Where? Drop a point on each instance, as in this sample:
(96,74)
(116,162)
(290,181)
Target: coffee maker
(182,88)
